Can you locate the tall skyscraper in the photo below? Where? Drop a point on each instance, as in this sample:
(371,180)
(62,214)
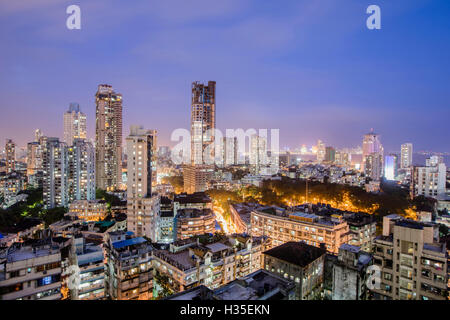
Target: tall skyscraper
(390,163)
(74,124)
(196,177)
(406,155)
(10,149)
(56,173)
(434,161)
(330,154)
(142,206)
(203,123)
(373,166)
(320,151)
(373,155)
(81,170)
(230,151)
(258,153)
(154,134)
(34,161)
(108,138)
(37,135)
(371,144)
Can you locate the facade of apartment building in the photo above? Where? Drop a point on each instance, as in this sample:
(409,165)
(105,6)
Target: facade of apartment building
(193,222)
(299,262)
(412,261)
(89,210)
(196,177)
(310,228)
(30,272)
(128,274)
(240,217)
(188,263)
(362,228)
(350,273)
(90,263)
(430,180)
(108,138)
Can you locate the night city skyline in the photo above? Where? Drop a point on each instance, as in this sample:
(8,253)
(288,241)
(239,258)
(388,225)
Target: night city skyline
(251,154)
(311,69)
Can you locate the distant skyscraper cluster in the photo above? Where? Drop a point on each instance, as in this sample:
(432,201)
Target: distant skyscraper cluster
(169,243)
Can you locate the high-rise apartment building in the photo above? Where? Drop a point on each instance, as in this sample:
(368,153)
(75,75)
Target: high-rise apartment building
(230,151)
(34,158)
(203,124)
(413,262)
(69,172)
(143,208)
(330,154)
(56,174)
(373,166)
(371,144)
(10,149)
(37,135)
(406,155)
(373,156)
(196,177)
(342,158)
(372,151)
(74,124)
(429,181)
(390,167)
(154,134)
(258,153)
(108,138)
(81,170)
(203,121)
(320,151)
(434,161)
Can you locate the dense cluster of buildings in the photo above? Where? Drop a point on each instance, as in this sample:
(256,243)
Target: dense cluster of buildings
(155,243)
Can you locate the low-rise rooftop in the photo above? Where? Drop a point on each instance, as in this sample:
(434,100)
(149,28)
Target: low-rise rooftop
(297,253)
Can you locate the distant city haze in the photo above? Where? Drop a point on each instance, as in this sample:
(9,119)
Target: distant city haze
(309,68)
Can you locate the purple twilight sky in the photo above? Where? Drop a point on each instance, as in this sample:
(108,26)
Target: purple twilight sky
(308,67)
